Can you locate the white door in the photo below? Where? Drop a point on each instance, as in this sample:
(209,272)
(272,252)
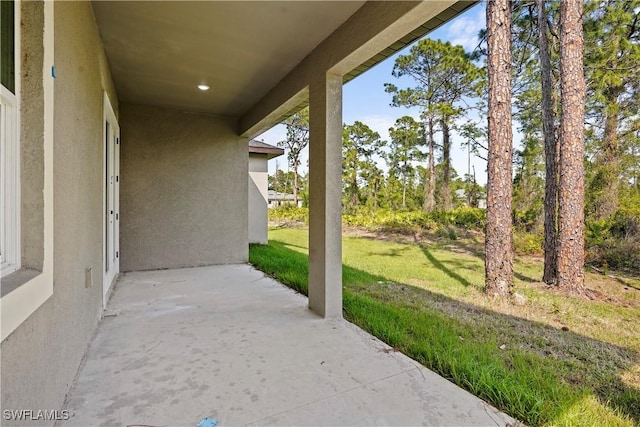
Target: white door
(111,219)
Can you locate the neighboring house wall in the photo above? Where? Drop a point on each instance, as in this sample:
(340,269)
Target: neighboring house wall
(258,184)
(183,190)
(282,199)
(41,357)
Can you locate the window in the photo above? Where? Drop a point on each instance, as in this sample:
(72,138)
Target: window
(7,36)
(26,159)
(9,141)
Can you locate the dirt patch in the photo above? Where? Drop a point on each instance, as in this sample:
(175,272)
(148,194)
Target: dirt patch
(351,231)
(287,224)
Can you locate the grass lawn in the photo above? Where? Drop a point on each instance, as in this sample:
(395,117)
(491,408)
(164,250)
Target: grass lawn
(552,361)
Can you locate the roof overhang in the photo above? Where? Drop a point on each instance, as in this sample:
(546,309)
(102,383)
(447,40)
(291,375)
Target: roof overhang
(257,57)
(259,147)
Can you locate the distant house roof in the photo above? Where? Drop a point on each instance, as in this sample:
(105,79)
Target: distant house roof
(259,147)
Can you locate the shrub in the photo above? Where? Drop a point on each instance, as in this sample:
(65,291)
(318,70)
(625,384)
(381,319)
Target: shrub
(625,224)
(527,243)
(614,243)
(447,232)
(289,213)
(624,256)
(526,220)
(472,218)
(383,220)
(597,232)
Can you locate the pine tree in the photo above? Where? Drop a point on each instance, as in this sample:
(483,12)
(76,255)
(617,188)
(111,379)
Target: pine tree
(297,140)
(549,105)
(359,145)
(404,149)
(612,28)
(444,74)
(499,240)
(571,170)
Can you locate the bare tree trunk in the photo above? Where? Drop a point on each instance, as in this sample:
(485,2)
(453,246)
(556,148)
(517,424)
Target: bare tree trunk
(355,199)
(469,174)
(295,183)
(404,187)
(571,195)
(445,190)
(429,196)
(550,151)
(499,240)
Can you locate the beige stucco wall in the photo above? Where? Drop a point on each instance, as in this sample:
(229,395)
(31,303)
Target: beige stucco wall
(258,198)
(183,190)
(32,137)
(41,357)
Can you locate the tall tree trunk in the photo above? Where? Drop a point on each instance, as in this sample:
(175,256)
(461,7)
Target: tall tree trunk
(354,190)
(429,195)
(607,202)
(469,174)
(550,151)
(571,194)
(295,183)
(499,240)
(404,187)
(376,189)
(445,188)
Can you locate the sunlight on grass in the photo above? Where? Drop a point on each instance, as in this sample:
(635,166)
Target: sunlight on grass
(588,411)
(427,301)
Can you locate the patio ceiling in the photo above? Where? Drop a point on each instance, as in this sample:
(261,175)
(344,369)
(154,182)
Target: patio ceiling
(159,52)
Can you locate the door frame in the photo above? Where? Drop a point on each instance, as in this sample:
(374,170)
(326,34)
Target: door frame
(110,234)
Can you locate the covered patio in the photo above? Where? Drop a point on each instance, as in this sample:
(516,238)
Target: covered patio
(150,192)
(255,63)
(227,342)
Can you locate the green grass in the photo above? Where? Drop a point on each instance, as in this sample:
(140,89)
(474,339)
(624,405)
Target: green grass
(426,300)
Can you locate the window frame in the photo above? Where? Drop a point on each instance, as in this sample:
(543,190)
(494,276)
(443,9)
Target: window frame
(10,238)
(25,290)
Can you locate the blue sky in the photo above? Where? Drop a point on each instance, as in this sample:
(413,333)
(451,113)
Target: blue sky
(364,98)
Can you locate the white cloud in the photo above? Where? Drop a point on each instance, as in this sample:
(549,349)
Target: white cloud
(464,31)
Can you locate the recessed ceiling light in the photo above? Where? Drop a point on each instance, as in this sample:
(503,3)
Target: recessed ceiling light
(203,87)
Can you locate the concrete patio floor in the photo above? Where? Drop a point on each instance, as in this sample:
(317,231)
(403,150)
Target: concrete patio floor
(227,342)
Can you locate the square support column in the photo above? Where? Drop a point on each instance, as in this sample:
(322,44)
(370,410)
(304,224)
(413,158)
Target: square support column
(325,196)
